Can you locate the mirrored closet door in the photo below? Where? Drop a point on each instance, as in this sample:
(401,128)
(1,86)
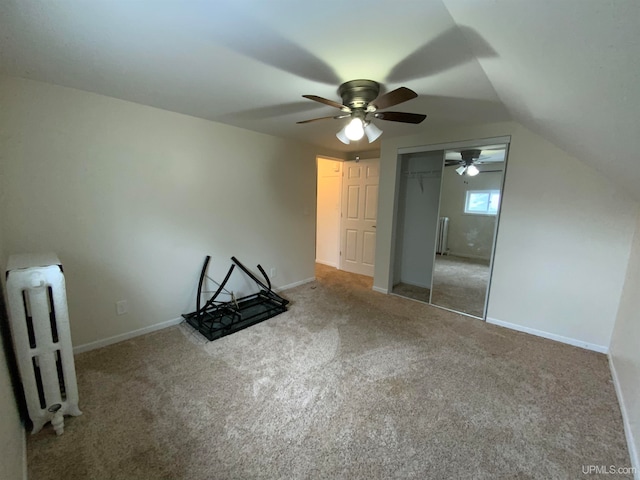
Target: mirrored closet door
(447,215)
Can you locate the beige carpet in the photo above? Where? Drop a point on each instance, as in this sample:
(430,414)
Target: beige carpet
(460,284)
(349,384)
(412,291)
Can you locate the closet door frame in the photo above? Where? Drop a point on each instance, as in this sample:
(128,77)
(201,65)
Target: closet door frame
(450,146)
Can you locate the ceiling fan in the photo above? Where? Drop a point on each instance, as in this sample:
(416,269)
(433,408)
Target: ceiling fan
(360,102)
(468,161)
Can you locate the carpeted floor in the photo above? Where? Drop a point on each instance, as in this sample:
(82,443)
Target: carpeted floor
(412,291)
(348,384)
(459,284)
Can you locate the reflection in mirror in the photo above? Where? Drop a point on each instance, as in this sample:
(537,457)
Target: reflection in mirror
(469,207)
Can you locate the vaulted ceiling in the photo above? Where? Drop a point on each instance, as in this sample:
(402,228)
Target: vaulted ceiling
(569,70)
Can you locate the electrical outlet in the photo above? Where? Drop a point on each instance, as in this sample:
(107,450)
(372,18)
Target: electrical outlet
(121,307)
(273,272)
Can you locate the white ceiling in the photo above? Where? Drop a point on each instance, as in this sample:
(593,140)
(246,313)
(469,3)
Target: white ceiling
(569,70)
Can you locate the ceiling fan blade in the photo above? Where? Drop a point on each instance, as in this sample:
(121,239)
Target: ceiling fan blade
(400,117)
(324,118)
(326,101)
(449,163)
(394,97)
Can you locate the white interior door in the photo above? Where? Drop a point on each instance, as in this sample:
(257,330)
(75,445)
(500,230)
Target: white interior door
(359,216)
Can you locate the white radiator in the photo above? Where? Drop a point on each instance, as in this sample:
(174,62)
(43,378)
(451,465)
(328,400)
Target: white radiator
(39,321)
(443,233)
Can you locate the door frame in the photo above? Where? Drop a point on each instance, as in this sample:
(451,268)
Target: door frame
(315,238)
(505,139)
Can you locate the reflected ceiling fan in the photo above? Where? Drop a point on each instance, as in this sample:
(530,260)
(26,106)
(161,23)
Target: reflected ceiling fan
(468,161)
(361,103)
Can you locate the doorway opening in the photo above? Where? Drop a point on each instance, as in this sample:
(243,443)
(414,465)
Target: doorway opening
(328,210)
(347,212)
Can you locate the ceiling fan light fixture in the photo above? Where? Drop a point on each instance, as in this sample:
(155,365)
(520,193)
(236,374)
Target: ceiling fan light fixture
(354,129)
(460,170)
(372,132)
(472,170)
(342,136)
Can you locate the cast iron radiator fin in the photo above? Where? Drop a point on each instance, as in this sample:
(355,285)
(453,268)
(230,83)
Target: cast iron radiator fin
(39,321)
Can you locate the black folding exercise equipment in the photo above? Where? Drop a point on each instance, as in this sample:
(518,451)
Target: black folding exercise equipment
(216,319)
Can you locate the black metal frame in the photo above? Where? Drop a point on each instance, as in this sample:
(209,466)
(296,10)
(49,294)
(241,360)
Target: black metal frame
(216,319)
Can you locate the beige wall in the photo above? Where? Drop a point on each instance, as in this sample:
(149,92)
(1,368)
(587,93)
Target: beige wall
(625,351)
(328,212)
(132,198)
(563,240)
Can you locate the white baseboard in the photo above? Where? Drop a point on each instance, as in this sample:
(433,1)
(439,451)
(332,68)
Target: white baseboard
(633,453)
(125,336)
(381,290)
(550,336)
(327,263)
(158,326)
(294,284)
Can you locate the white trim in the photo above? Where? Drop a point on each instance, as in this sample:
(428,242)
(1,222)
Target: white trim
(125,336)
(633,453)
(158,326)
(550,336)
(381,290)
(294,284)
(475,317)
(328,264)
(461,144)
(337,239)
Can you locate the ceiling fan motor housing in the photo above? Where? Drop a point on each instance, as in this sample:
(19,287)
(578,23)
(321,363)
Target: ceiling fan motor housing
(470,155)
(357,94)
(361,98)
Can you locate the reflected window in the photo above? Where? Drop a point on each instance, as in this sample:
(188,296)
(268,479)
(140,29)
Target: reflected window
(482,202)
